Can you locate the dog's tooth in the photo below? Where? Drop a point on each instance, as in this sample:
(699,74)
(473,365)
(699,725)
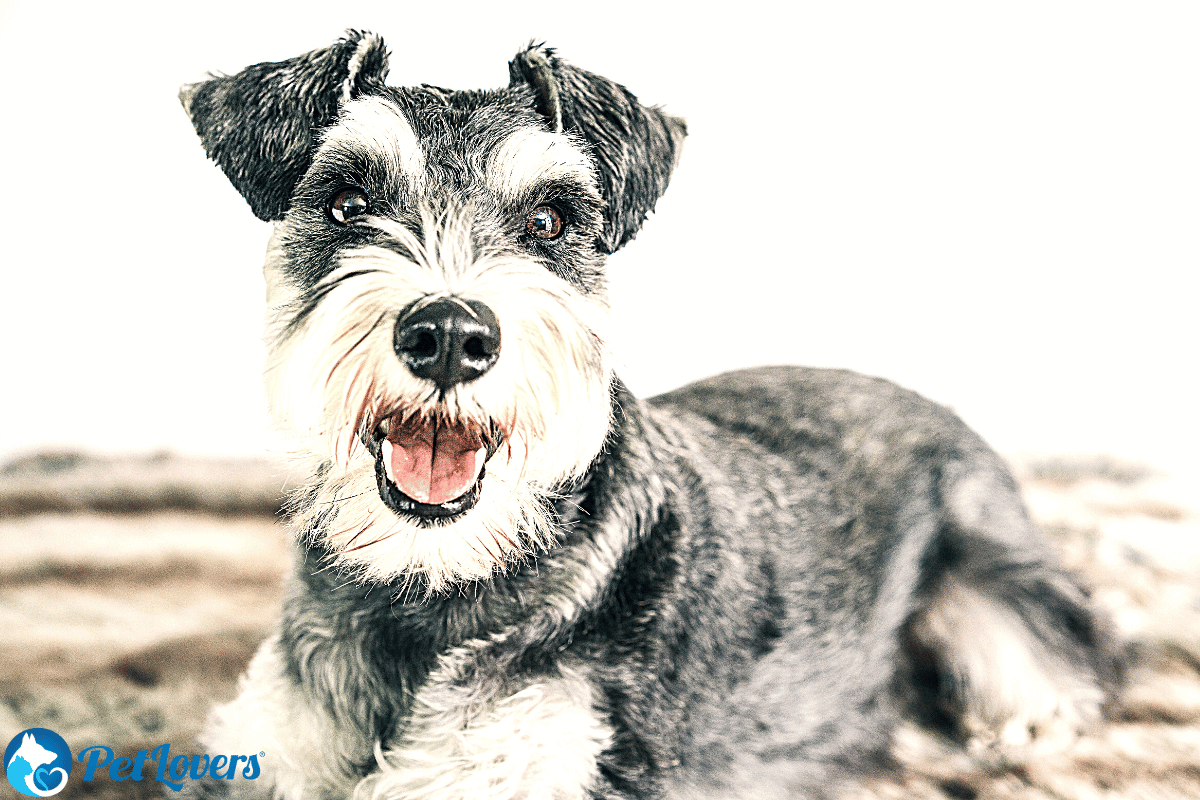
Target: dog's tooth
(385,426)
(386,454)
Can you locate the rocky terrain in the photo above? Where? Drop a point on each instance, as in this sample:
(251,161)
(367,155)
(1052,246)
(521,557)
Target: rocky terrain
(134,590)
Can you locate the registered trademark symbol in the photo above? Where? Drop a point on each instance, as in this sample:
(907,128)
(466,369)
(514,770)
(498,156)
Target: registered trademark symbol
(262,754)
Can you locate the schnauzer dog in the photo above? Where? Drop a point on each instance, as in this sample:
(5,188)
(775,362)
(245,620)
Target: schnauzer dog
(515,579)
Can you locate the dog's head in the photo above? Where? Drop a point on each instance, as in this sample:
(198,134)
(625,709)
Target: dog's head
(436,289)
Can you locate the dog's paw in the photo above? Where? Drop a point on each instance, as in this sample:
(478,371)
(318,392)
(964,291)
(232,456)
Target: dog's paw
(1005,687)
(1054,729)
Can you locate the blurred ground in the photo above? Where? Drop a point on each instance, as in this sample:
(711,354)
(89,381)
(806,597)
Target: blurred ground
(132,594)
(133,591)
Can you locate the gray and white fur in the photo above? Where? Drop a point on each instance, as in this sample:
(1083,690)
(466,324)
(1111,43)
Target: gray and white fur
(514,579)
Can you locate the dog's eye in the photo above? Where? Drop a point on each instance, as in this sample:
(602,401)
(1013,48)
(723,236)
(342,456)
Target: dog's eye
(545,222)
(347,204)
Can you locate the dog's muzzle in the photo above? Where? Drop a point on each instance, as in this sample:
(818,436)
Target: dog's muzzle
(430,467)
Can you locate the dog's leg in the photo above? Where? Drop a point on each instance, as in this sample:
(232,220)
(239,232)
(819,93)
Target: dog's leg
(306,756)
(483,740)
(1008,643)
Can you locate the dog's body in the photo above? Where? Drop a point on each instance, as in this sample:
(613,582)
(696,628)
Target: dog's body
(515,579)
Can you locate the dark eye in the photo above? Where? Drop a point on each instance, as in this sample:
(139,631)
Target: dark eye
(544,222)
(347,204)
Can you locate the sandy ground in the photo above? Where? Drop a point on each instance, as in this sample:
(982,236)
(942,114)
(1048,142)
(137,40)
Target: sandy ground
(133,591)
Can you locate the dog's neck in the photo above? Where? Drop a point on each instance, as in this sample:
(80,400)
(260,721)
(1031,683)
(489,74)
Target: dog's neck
(369,676)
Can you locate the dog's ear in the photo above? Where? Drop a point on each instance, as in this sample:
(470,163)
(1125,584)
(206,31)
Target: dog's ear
(635,147)
(259,125)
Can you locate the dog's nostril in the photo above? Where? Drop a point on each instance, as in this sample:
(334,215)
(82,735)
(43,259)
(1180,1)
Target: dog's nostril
(475,348)
(448,341)
(423,345)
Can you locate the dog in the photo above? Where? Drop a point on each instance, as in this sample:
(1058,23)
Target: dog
(515,579)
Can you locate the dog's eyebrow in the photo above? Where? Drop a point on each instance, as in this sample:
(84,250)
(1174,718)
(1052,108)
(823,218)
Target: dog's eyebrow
(529,157)
(377,125)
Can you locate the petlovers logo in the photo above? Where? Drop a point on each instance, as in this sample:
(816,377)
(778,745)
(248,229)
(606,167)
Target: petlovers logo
(37,762)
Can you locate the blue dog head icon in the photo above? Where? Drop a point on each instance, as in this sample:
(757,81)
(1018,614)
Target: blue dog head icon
(37,762)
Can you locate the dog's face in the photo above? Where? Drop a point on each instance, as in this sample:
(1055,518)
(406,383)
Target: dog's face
(436,290)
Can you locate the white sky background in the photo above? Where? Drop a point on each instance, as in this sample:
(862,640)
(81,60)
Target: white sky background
(997,205)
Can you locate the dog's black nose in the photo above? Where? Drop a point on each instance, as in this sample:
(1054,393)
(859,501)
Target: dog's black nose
(449,341)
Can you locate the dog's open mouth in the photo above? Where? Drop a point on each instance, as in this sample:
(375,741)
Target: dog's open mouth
(431,468)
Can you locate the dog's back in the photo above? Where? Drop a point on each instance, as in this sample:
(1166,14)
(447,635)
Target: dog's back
(904,573)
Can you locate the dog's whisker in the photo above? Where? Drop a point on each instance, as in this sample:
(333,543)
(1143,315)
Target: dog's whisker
(350,546)
(352,349)
(319,293)
(479,544)
(344,499)
(512,547)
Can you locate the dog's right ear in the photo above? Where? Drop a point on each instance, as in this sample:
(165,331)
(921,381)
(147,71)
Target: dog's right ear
(259,125)
(635,147)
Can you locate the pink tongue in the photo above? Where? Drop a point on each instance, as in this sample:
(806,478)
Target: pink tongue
(434,462)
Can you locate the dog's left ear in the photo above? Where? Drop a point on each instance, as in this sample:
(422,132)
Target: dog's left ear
(260,125)
(635,147)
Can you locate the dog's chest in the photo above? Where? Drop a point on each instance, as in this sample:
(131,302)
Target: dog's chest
(539,743)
